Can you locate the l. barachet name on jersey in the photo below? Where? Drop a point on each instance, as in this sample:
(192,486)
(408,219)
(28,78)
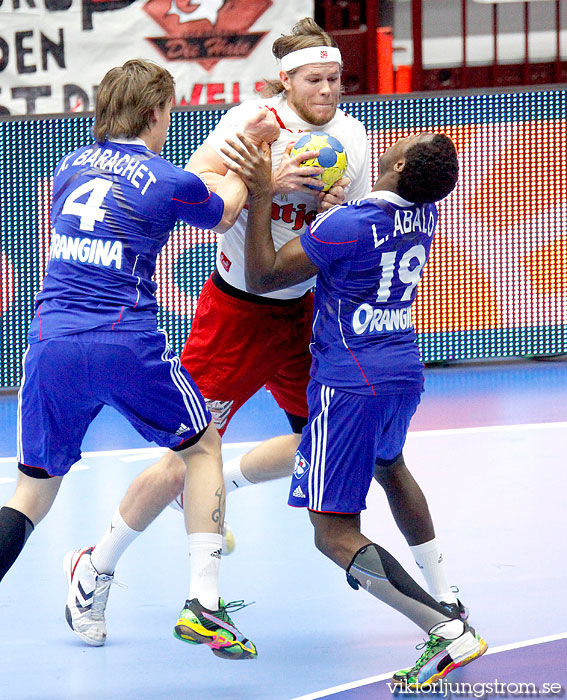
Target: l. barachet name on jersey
(111,161)
(367,319)
(95,251)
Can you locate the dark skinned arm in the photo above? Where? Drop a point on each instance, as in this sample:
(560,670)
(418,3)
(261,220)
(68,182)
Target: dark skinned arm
(267,270)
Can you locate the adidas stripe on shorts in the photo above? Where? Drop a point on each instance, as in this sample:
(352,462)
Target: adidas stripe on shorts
(334,464)
(66,381)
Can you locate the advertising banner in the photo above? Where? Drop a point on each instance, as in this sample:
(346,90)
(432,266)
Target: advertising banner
(53,53)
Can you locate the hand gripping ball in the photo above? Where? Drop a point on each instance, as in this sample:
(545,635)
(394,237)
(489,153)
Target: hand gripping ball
(332,156)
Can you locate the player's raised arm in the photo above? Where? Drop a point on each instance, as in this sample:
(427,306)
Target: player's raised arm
(207,163)
(266,269)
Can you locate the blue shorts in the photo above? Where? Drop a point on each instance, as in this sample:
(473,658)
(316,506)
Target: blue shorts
(67,380)
(346,433)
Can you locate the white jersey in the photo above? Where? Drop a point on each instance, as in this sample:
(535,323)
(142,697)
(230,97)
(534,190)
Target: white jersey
(291,213)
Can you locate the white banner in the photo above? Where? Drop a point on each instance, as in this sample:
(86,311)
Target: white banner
(53,53)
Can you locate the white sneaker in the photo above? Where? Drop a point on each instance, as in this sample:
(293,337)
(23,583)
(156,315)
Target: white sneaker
(87,597)
(228,541)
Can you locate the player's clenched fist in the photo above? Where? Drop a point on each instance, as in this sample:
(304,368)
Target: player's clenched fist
(252,163)
(336,195)
(263,126)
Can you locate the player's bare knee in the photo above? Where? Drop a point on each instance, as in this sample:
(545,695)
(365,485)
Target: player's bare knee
(325,534)
(210,441)
(323,541)
(335,544)
(389,475)
(175,470)
(207,442)
(34,494)
(167,476)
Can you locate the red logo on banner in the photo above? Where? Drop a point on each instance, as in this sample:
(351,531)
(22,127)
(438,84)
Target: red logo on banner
(206,31)
(323,53)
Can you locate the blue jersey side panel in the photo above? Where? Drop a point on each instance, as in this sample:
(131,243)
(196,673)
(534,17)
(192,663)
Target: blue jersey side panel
(370,254)
(113,207)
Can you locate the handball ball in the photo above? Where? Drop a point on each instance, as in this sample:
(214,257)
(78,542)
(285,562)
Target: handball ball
(332,156)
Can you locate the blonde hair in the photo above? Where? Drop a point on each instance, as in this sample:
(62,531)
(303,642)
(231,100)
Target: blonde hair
(126,97)
(304,34)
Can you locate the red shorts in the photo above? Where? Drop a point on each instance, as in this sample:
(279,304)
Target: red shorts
(238,346)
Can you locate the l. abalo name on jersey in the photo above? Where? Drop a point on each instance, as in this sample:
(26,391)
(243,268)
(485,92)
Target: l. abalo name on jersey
(94,251)
(367,319)
(411,220)
(408,221)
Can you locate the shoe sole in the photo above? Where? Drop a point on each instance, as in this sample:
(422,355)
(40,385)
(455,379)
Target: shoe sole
(241,654)
(445,672)
(67,568)
(220,646)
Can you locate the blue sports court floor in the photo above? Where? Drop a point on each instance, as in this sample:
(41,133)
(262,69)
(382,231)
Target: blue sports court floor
(488,446)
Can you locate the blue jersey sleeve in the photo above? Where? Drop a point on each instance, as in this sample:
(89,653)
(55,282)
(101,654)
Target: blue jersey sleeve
(194,203)
(330,238)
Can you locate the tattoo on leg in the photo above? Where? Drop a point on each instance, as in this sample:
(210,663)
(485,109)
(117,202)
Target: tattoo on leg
(217,515)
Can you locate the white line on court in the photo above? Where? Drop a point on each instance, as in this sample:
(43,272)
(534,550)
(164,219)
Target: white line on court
(387,676)
(158,451)
(528,643)
(488,429)
(142,453)
(152,452)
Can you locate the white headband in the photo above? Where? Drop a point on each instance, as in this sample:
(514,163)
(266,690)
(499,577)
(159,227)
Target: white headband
(312,54)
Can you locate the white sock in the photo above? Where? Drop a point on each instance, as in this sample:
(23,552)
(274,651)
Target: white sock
(449,630)
(429,559)
(204,562)
(233,476)
(112,546)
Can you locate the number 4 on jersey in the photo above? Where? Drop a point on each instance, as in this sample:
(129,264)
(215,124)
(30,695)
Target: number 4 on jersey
(89,212)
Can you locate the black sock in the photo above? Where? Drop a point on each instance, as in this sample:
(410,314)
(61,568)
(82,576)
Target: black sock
(15,528)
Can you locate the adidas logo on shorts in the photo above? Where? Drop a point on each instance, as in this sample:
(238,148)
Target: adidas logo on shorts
(298,493)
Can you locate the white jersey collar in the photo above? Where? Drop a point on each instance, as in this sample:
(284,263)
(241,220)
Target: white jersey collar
(391,197)
(136,141)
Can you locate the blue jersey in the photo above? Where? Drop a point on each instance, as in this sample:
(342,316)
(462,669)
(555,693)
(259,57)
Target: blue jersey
(370,254)
(114,205)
